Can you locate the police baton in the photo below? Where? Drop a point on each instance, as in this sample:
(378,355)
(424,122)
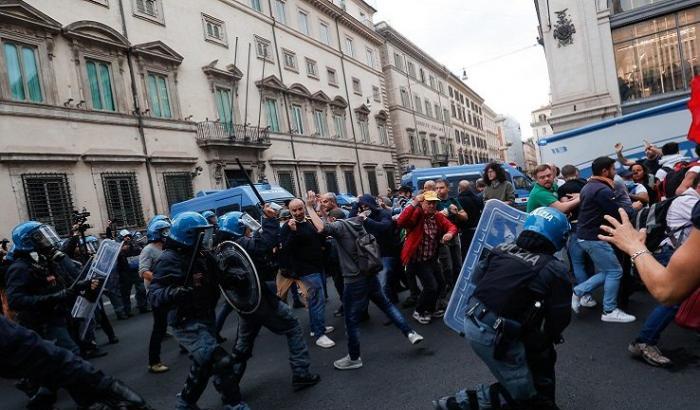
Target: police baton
(250,183)
(195,252)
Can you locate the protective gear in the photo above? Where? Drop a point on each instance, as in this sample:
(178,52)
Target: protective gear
(181,294)
(118,395)
(239,282)
(231,224)
(208,214)
(226,381)
(196,383)
(34,236)
(187,226)
(160,218)
(550,223)
(158,230)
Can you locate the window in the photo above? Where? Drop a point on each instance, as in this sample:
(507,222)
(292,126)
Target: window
(457,137)
(349,50)
(280,11)
(297,122)
(445,115)
(428,109)
(432,81)
(123,199)
(324,33)
(339,122)
(256,5)
(303,20)
(390,178)
(398,62)
(310,181)
(383,137)
(657,56)
(272,117)
(405,101)
(422,75)
(286,181)
(332,182)
(411,69)
(441,87)
(434,146)
(23,72)
(418,105)
(363,124)
(620,6)
(376,94)
(214,30)
(424,143)
(436,108)
(178,187)
(320,123)
(332,78)
(262,48)
(100,82)
(356,86)
(290,60)
(350,182)
(311,68)
(412,142)
(224,107)
(372,178)
(49,200)
(158,95)
(370,57)
(149,9)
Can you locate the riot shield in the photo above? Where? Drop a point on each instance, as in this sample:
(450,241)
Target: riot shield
(102,265)
(499,223)
(246,296)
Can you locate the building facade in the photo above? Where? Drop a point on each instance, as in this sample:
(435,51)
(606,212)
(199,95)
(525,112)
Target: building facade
(494,140)
(539,123)
(627,55)
(530,159)
(469,130)
(123,107)
(509,128)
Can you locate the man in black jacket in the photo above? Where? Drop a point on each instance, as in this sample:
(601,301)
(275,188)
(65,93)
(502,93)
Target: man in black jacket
(473,205)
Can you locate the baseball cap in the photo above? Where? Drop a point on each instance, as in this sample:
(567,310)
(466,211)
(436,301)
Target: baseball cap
(430,196)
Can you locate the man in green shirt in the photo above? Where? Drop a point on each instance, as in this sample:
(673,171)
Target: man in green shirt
(450,253)
(544,193)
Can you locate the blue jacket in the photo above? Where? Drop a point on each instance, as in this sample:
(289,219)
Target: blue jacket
(597,200)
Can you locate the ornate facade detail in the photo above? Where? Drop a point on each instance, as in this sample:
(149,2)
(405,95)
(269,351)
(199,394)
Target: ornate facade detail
(564,29)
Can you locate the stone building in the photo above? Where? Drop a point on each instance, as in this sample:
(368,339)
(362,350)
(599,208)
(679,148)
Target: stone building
(539,123)
(124,107)
(509,128)
(466,108)
(494,141)
(529,155)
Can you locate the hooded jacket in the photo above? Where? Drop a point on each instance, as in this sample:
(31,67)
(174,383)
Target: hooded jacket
(412,219)
(381,226)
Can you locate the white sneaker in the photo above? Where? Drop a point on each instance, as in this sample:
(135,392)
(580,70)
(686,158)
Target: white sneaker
(414,337)
(423,320)
(329,329)
(588,301)
(575,303)
(346,363)
(325,342)
(617,316)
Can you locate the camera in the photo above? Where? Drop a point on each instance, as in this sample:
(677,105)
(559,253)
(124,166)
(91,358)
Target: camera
(80,219)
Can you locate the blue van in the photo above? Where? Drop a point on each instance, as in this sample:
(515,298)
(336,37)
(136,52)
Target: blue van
(241,198)
(471,172)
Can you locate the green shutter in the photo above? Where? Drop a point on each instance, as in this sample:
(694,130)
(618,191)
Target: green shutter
(153,96)
(223,106)
(31,71)
(106,86)
(14,72)
(163,95)
(94,85)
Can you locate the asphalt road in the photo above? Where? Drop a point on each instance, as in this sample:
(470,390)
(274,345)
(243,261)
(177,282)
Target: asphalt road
(594,369)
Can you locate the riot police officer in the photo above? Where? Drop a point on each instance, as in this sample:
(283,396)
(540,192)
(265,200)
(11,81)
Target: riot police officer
(270,311)
(518,311)
(185,278)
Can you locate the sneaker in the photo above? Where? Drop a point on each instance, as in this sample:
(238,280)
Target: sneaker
(304,381)
(446,403)
(329,329)
(438,313)
(423,320)
(650,353)
(339,312)
(588,301)
(414,337)
(346,363)
(575,303)
(325,342)
(617,316)
(158,368)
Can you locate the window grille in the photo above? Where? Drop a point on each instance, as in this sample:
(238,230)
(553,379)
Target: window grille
(49,200)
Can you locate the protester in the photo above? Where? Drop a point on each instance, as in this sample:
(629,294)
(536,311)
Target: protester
(128,268)
(598,200)
(650,161)
(332,212)
(402,199)
(497,185)
(360,287)
(426,229)
(671,157)
(429,185)
(544,193)
(636,191)
(450,253)
(473,205)
(641,176)
(302,246)
(480,188)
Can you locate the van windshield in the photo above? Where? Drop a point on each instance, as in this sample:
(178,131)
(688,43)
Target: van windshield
(522,182)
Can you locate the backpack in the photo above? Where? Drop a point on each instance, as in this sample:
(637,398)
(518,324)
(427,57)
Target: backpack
(369,257)
(653,218)
(674,178)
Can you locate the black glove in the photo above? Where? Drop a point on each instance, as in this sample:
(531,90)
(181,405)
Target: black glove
(234,278)
(82,285)
(55,298)
(181,294)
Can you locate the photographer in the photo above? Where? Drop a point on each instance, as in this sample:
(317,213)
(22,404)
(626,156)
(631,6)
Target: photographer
(128,268)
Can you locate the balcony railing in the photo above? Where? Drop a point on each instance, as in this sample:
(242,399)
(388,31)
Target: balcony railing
(227,132)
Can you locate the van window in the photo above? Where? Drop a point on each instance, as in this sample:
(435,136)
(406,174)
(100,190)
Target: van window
(454,182)
(521,182)
(227,208)
(252,211)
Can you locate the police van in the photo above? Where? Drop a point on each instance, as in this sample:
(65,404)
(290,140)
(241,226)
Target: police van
(240,198)
(471,172)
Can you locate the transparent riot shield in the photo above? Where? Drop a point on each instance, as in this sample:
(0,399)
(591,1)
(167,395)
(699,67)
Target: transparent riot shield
(102,265)
(499,223)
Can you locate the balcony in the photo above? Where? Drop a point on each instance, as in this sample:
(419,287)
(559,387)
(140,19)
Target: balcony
(217,133)
(440,160)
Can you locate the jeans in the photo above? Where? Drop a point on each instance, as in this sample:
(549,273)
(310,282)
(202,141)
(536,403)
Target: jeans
(609,273)
(280,320)
(577,256)
(430,278)
(316,302)
(450,257)
(160,326)
(661,316)
(113,293)
(388,278)
(356,297)
(127,279)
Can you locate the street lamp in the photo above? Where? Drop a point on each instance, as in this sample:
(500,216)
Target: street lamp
(465,77)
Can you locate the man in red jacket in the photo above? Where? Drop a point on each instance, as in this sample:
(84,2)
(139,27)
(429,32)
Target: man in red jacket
(426,229)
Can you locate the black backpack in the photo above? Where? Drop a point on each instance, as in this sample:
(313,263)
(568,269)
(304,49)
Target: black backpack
(369,257)
(653,218)
(674,177)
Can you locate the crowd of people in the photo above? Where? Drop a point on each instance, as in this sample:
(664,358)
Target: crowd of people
(412,241)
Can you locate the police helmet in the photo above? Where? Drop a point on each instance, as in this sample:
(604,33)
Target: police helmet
(550,223)
(159,218)
(187,226)
(123,234)
(32,236)
(231,224)
(158,230)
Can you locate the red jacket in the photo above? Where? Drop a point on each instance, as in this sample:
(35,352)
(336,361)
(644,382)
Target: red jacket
(412,219)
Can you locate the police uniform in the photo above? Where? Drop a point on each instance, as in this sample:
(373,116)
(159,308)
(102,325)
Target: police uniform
(518,311)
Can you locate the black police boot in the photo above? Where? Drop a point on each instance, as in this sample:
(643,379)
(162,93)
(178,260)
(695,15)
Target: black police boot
(195,384)
(304,381)
(117,395)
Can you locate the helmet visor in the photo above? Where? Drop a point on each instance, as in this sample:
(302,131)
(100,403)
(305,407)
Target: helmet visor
(91,247)
(250,222)
(44,237)
(208,238)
